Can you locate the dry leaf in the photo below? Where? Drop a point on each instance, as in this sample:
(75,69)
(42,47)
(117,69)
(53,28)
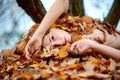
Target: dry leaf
(27,76)
(87,19)
(63,54)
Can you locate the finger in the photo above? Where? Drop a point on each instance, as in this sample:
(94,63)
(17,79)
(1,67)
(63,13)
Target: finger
(76,50)
(80,51)
(27,56)
(81,47)
(27,51)
(73,46)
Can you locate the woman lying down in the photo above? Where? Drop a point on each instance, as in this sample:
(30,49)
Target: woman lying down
(72,50)
(84,34)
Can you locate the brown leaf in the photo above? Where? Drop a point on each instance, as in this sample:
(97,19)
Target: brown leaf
(76,37)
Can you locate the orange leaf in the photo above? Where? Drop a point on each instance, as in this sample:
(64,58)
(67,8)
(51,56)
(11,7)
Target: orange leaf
(87,19)
(27,76)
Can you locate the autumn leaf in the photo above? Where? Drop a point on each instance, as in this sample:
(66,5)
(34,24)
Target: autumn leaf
(87,19)
(64,28)
(75,28)
(63,54)
(76,37)
(38,65)
(27,76)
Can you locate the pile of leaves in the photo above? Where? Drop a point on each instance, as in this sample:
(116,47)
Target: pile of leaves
(58,63)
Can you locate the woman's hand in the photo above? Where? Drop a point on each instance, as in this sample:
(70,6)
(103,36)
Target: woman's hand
(33,45)
(79,47)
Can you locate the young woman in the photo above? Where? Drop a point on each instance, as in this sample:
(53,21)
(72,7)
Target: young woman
(59,7)
(54,37)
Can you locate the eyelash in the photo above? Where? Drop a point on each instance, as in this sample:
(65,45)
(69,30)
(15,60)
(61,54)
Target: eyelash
(52,38)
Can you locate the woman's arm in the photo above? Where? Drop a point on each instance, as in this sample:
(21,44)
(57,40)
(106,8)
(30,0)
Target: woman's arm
(85,44)
(59,7)
(106,50)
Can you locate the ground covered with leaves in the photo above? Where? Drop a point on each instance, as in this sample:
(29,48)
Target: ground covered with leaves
(58,63)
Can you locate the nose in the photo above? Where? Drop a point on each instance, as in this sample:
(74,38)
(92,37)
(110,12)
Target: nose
(57,43)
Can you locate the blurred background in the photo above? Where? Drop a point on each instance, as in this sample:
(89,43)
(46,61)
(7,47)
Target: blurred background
(15,21)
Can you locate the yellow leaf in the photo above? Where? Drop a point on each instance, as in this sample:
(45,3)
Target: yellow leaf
(63,54)
(94,61)
(41,64)
(35,65)
(75,28)
(64,27)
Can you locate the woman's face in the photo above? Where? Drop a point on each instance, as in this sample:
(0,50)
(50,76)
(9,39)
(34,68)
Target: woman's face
(56,37)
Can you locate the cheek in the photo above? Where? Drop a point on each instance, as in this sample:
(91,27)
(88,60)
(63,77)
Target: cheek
(61,34)
(60,37)
(45,42)
(60,40)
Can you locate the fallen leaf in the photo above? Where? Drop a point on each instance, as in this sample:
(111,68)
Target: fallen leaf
(63,54)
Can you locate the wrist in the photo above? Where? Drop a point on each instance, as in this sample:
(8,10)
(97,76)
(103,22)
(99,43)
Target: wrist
(93,44)
(96,46)
(38,37)
(38,34)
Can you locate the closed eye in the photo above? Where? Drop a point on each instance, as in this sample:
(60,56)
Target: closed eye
(51,38)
